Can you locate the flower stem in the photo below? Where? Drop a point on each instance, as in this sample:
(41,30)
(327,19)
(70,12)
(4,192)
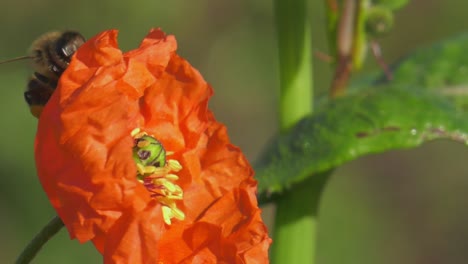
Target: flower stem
(39,240)
(295,61)
(296,212)
(345,41)
(296,222)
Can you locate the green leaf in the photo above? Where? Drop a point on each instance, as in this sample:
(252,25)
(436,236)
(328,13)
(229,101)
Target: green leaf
(425,101)
(441,68)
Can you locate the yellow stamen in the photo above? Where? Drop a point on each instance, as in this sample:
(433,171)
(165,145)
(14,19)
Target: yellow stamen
(160,181)
(167,214)
(174,165)
(135,132)
(172,177)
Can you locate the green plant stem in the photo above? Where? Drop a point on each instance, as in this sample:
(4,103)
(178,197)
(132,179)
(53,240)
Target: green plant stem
(295,61)
(39,240)
(295,223)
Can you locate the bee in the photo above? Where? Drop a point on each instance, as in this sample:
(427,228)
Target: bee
(50,54)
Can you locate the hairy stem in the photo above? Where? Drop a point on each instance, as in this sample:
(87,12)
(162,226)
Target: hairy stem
(39,240)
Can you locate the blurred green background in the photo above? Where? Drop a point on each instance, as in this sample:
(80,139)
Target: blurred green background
(399,207)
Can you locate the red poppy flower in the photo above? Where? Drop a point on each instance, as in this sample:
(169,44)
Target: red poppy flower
(132,159)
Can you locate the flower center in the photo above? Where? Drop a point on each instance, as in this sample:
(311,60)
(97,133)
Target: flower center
(156,173)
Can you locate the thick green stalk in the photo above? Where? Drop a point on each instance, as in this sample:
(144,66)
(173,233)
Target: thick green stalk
(296,222)
(295,62)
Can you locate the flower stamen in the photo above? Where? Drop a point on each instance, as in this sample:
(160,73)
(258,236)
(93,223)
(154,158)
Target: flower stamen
(156,173)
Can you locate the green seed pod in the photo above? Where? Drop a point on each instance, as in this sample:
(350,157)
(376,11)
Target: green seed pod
(379,21)
(391,4)
(148,151)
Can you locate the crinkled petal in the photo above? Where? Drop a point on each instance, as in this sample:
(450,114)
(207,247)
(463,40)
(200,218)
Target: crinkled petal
(83,143)
(230,231)
(84,159)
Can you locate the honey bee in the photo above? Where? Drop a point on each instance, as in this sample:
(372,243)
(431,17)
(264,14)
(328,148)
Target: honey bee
(50,54)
